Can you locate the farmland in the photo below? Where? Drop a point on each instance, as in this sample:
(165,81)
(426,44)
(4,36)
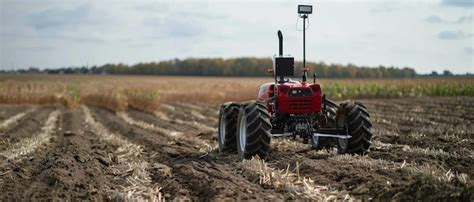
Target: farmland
(131,137)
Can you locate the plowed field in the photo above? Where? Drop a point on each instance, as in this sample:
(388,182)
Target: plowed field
(422,148)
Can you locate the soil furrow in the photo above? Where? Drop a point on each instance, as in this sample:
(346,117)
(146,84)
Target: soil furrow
(7,111)
(155,141)
(180,116)
(432,138)
(204,129)
(130,165)
(203,146)
(160,120)
(421,149)
(69,168)
(192,174)
(26,146)
(208,179)
(25,127)
(366,178)
(460,161)
(199,112)
(14,119)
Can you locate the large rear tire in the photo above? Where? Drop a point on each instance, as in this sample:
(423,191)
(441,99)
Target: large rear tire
(354,117)
(253,133)
(227,130)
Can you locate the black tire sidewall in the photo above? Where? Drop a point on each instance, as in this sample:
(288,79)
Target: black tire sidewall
(254,110)
(344,118)
(239,119)
(219,139)
(228,112)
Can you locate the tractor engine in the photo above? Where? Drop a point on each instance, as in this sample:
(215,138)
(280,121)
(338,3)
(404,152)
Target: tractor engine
(294,106)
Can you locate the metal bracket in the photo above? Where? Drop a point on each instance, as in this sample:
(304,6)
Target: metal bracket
(330,135)
(316,134)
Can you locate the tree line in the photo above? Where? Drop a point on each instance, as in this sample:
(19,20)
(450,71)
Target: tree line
(246,66)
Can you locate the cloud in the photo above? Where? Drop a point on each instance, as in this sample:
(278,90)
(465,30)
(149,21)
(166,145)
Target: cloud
(459,3)
(183,28)
(155,7)
(59,18)
(57,33)
(434,19)
(383,8)
(170,27)
(469,50)
(451,35)
(465,19)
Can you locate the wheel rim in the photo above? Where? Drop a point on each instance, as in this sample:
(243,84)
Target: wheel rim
(243,133)
(343,142)
(222,124)
(315,140)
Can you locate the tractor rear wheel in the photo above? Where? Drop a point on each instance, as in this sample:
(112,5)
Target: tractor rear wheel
(354,116)
(253,133)
(227,130)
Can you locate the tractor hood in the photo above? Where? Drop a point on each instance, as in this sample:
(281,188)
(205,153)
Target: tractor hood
(294,84)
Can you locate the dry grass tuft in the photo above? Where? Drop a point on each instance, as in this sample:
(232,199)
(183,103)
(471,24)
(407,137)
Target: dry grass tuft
(427,151)
(286,144)
(130,167)
(162,115)
(433,171)
(30,92)
(416,150)
(365,161)
(438,172)
(29,145)
(113,101)
(144,99)
(291,181)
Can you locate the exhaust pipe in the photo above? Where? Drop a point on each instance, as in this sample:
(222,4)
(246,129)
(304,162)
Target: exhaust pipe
(280,43)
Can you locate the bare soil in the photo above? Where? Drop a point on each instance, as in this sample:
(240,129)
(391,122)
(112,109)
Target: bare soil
(412,137)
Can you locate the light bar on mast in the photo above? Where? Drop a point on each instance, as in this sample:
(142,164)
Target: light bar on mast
(305,9)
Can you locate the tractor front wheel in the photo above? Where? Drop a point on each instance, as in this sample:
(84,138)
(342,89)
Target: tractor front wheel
(227,130)
(253,132)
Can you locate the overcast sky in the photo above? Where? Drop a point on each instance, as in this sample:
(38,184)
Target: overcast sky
(425,35)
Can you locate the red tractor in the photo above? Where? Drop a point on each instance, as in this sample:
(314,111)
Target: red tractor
(297,109)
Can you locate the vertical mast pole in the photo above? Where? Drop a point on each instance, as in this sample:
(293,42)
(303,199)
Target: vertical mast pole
(304,47)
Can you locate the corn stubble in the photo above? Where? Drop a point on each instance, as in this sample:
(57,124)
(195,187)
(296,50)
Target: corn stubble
(138,186)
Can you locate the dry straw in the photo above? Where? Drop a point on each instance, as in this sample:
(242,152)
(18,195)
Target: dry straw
(290,181)
(130,167)
(29,145)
